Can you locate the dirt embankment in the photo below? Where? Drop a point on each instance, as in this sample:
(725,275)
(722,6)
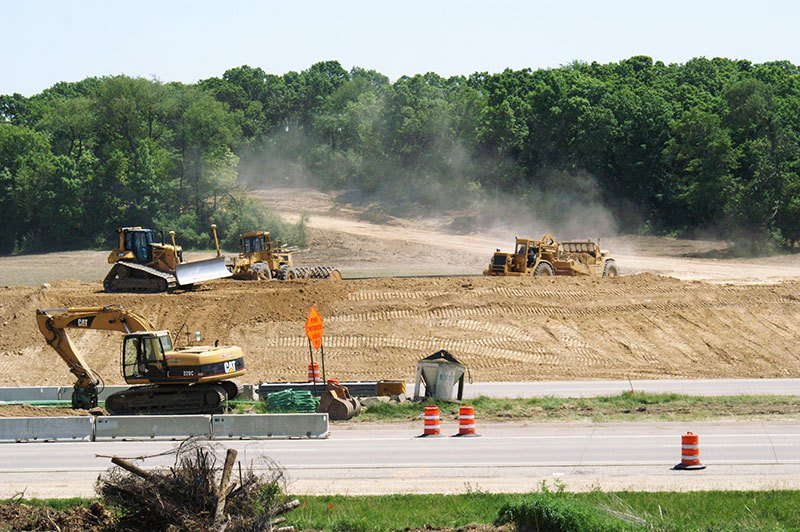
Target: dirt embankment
(512,329)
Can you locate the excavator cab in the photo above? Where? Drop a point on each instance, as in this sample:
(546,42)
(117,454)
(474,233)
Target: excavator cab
(143,356)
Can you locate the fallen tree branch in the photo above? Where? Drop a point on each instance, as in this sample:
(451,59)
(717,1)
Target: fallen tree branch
(288,507)
(127,466)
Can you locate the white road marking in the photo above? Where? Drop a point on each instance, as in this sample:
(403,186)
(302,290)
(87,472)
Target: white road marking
(432,466)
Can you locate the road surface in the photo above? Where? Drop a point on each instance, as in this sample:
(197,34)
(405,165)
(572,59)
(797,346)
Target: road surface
(598,388)
(378,459)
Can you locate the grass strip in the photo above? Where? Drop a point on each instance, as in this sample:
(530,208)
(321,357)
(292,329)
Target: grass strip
(397,512)
(713,510)
(551,510)
(628,406)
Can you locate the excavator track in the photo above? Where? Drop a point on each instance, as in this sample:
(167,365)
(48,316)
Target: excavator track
(168,399)
(132,277)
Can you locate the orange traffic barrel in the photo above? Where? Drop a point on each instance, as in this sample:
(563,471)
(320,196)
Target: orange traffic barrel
(690,452)
(431,424)
(466,422)
(313,373)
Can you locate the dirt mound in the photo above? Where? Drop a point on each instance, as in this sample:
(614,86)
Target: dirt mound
(37,411)
(504,329)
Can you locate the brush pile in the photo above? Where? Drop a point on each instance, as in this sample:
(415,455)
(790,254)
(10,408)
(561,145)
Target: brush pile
(199,492)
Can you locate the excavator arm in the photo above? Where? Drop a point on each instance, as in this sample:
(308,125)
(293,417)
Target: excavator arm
(53,324)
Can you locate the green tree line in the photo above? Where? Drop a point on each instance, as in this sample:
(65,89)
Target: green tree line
(709,146)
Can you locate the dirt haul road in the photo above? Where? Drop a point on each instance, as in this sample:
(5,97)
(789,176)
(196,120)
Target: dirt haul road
(365,241)
(511,329)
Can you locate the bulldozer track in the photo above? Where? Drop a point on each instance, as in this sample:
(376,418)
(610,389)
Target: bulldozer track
(378,295)
(533,309)
(170,281)
(526,351)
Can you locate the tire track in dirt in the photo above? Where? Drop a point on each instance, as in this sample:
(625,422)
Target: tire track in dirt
(504,329)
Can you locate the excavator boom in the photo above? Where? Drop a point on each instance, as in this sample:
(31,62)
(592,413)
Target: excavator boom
(53,324)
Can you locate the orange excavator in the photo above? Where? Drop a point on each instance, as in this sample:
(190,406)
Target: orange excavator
(190,380)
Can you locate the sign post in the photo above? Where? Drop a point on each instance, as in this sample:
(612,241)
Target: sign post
(314,329)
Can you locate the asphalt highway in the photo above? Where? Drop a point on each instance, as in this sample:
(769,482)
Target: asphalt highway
(615,387)
(371,459)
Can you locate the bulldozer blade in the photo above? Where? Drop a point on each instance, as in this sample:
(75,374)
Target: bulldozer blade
(201,270)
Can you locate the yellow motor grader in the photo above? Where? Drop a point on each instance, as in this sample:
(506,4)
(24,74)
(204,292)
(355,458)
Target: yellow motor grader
(261,258)
(143,263)
(547,257)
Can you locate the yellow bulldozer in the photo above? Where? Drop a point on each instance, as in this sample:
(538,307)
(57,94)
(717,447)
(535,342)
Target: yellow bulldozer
(547,257)
(144,263)
(261,258)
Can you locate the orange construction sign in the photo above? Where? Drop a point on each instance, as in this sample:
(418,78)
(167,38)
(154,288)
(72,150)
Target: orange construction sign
(314,327)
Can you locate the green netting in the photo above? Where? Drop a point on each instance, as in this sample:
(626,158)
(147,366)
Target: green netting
(292,401)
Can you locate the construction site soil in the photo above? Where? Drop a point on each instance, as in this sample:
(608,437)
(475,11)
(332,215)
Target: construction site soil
(503,329)
(680,309)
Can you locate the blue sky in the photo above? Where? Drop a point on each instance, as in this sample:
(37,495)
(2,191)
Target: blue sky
(45,41)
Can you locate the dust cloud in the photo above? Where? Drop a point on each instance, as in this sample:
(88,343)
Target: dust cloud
(445,183)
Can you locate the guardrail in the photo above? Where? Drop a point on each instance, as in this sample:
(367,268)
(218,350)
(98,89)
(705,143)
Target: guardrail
(107,428)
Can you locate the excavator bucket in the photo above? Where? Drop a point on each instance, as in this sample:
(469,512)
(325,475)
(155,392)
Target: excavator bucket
(337,403)
(202,270)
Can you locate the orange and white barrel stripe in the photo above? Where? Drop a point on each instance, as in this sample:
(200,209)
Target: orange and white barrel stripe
(690,452)
(432,424)
(313,373)
(466,421)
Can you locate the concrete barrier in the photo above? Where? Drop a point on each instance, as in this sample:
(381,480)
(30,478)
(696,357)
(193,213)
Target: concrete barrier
(30,393)
(151,427)
(75,428)
(258,426)
(249,393)
(64,393)
(103,395)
